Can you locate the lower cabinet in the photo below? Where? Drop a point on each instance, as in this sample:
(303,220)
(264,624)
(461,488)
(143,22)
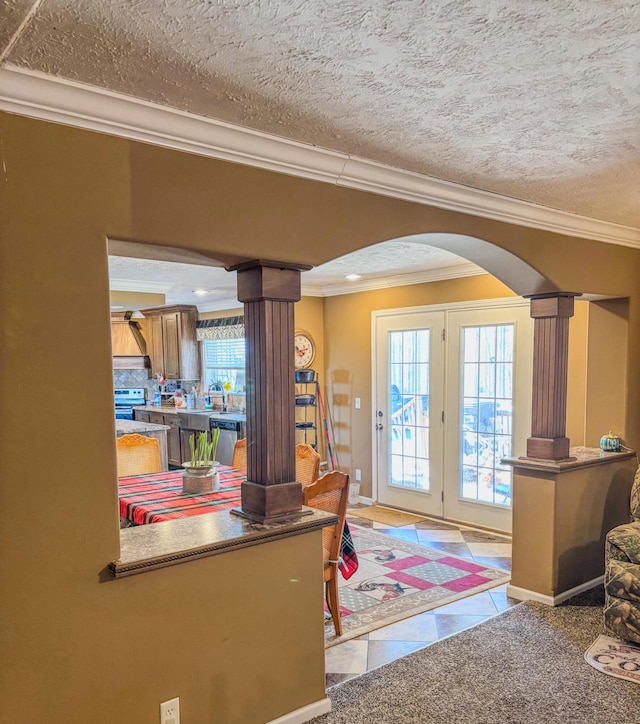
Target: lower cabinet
(173,440)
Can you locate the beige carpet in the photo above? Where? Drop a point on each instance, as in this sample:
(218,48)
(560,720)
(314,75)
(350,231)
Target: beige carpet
(396,518)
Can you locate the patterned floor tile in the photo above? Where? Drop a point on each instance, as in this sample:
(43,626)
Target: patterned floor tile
(382,652)
(448,625)
(333,679)
(347,658)
(442,536)
(417,628)
(481,604)
(458,549)
(490,550)
(402,533)
(504,564)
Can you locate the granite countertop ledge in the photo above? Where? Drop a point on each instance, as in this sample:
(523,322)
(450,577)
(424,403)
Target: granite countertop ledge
(584,457)
(157,545)
(191,411)
(127,427)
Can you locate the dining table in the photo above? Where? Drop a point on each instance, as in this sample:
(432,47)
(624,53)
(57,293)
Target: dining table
(158,497)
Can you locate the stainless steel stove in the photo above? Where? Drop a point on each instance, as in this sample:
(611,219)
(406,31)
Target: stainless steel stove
(125,399)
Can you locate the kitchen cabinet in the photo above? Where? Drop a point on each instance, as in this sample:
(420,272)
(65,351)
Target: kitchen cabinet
(172,341)
(142,416)
(173,440)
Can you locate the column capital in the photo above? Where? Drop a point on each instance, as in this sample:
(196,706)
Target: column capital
(261,279)
(559,304)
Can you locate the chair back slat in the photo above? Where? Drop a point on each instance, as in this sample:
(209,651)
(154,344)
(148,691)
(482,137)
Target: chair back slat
(307,464)
(137,455)
(239,459)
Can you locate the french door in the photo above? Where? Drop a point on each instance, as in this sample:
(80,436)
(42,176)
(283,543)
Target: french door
(409,404)
(453,397)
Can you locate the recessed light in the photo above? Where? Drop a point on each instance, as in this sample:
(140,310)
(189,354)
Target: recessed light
(202,292)
(116,306)
(352,277)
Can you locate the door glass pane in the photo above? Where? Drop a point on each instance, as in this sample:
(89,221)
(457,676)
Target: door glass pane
(487,413)
(408,397)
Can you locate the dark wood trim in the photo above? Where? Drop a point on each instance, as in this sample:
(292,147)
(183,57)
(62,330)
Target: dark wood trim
(268,293)
(550,364)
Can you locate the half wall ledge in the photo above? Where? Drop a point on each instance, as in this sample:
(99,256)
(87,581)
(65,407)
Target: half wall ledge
(158,545)
(562,512)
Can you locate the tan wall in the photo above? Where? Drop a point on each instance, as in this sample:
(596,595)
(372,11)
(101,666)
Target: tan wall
(607,381)
(70,644)
(560,523)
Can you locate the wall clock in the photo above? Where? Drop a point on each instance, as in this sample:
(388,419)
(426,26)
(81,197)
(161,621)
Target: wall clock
(305,349)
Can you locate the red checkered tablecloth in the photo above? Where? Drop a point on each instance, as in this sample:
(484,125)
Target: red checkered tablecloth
(158,496)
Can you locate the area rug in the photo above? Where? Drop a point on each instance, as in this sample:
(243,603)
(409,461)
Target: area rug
(615,658)
(378,514)
(524,666)
(396,579)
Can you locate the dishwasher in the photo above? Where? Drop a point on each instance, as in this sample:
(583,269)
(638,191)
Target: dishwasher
(230,432)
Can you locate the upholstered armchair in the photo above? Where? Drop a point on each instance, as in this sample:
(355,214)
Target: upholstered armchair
(622,574)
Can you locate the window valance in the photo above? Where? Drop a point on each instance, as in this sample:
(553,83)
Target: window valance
(222,328)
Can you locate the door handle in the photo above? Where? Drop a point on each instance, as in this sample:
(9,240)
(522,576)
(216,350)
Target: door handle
(379,426)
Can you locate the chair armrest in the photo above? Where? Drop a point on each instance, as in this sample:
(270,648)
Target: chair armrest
(623,543)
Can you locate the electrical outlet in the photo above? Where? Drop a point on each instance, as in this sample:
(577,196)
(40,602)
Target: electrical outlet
(357,403)
(170,711)
(358,474)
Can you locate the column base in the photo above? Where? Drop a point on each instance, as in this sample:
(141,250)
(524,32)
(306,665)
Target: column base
(270,503)
(548,448)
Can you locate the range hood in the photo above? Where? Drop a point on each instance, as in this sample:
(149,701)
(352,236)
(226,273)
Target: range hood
(127,342)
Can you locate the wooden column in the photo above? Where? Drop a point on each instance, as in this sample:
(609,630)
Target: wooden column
(269,291)
(551,314)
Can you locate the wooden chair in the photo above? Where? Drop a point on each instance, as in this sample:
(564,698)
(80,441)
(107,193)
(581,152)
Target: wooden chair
(307,464)
(239,459)
(137,455)
(330,493)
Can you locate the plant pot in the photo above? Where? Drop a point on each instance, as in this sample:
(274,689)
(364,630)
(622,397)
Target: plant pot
(200,479)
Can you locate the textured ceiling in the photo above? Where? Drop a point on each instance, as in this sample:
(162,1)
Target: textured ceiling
(534,100)
(381,265)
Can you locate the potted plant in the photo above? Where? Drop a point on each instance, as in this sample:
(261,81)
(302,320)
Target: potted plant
(201,474)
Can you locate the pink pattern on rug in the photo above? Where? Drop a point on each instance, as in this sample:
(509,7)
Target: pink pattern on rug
(410,580)
(409,562)
(462,565)
(462,584)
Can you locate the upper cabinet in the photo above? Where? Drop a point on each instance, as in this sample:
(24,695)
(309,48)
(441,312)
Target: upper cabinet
(172,342)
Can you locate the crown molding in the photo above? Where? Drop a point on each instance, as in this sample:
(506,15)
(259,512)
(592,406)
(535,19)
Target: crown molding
(138,285)
(45,97)
(453,271)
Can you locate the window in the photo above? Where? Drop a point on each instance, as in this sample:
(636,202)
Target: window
(224,361)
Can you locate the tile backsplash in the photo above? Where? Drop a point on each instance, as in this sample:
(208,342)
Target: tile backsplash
(134,378)
(140,378)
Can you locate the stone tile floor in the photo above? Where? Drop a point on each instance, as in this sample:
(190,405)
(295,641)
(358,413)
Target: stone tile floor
(352,658)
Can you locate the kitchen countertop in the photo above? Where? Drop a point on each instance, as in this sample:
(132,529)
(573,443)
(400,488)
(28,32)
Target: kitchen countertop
(128,427)
(192,411)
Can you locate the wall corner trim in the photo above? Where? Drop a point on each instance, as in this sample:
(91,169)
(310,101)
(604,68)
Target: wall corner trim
(305,713)
(59,100)
(523,594)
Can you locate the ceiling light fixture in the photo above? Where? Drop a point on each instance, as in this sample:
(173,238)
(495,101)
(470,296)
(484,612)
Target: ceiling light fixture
(352,277)
(202,292)
(116,306)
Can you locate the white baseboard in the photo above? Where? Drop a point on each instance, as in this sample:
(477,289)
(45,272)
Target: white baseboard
(522,594)
(365,501)
(306,713)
